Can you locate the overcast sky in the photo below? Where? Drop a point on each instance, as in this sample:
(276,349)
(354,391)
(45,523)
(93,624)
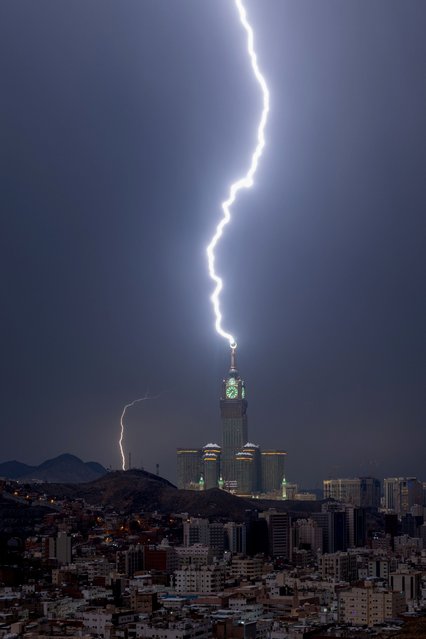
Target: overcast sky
(122,124)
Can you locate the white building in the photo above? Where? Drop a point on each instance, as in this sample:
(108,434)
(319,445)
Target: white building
(196,555)
(368,605)
(208,579)
(99,621)
(407,582)
(246,567)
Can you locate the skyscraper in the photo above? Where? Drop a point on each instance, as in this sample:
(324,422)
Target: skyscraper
(244,473)
(189,467)
(238,466)
(279,533)
(401,493)
(333,520)
(272,466)
(360,491)
(256,478)
(233,412)
(211,466)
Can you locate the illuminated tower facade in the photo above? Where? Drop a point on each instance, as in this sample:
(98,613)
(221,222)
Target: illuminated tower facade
(238,466)
(211,466)
(233,412)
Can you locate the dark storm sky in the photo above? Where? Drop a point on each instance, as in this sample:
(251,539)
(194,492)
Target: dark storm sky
(122,124)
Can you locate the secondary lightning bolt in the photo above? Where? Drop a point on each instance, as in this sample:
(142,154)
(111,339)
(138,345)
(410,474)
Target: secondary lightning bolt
(120,441)
(244,182)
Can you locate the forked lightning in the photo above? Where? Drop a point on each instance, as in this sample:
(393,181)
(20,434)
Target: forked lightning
(244,182)
(120,441)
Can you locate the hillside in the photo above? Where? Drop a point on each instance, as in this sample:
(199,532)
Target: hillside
(14,469)
(138,490)
(64,468)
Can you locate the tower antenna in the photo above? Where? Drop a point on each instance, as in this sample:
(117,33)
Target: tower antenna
(233,358)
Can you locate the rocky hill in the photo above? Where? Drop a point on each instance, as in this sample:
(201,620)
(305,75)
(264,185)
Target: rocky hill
(65,469)
(138,490)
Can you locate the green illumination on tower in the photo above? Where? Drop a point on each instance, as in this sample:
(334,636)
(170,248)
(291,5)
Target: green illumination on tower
(233,411)
(284,488)
(201,483)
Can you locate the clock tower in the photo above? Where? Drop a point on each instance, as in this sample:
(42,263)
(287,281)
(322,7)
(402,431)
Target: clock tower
(233,412)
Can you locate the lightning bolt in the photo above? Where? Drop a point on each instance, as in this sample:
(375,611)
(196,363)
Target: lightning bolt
(244,182)
(146,397)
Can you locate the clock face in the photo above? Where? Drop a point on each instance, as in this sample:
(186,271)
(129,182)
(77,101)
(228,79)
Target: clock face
(231,392)
(232,381)
(243,392)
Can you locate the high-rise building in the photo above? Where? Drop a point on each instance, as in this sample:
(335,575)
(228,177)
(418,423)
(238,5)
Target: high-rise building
(236,537)
(333,521)
(189,468)
(256,533)
(211,466)
(200,531)
(60,548)
(363,492)
(279,533)
(244,472)
(233,412)
(247,469)
(272,471)
(356,522)
(131,560)
(371,491)
(256,478)
(237,466)
(306,535)
(195,531)
(401,493)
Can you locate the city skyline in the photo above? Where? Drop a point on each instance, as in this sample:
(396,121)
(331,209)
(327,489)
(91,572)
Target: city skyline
(116,154)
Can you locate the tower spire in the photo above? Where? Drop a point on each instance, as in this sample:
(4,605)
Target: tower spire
(233,360)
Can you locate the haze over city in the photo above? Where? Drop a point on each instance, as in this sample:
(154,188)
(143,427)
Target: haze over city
(121,131)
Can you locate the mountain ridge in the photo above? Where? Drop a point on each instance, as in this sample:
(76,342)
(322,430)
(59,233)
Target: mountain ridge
(64,468)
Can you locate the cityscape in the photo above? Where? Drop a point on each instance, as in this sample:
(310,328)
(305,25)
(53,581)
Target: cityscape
(213,323)
(251,556)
